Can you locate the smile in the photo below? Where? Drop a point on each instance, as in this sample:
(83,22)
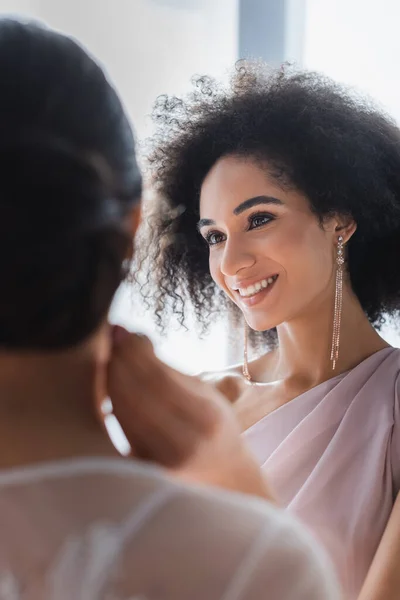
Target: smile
(256,288)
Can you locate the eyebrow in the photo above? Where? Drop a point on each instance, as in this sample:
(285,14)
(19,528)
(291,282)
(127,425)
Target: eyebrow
(256,201)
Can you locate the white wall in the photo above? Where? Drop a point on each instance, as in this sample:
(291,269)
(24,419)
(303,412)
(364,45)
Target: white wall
(151,47)
(357,42)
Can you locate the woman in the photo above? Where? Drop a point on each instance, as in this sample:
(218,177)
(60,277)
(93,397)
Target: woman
(77,520)
(280,200)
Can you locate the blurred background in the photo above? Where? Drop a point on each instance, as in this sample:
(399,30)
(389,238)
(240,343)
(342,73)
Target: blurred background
(152,47)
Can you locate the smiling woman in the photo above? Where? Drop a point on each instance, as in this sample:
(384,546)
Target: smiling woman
(268,253)
(280,201)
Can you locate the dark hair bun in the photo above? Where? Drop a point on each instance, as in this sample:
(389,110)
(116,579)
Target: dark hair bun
(68,180)
(62,225)
(51,191)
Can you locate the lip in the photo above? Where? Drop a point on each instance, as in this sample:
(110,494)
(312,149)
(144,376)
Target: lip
(257,298)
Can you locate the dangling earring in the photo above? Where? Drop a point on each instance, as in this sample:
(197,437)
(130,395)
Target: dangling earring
(245,369)
(337,314)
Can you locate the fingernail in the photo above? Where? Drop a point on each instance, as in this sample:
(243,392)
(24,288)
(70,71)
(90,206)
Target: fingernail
(119,334)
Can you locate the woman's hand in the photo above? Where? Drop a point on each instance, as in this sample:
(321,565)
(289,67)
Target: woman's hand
(177,421)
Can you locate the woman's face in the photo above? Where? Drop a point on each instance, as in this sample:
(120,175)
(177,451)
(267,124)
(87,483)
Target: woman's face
(268,251)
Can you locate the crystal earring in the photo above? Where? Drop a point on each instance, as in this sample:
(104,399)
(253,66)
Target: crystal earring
(245,369)
(337,314)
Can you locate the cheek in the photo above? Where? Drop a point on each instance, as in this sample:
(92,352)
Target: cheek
(214,263)
(308,258)
(215,271)
(302,251)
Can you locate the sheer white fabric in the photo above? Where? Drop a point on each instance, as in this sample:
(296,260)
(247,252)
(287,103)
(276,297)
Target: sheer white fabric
(114,529)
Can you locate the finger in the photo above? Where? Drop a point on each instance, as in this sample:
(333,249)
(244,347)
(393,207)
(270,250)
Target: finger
(145,408)
(196,402)
(179,391)
(122,338)
(154,429)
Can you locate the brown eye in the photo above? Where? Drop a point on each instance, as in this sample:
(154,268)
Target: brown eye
(214,237)
(259,220)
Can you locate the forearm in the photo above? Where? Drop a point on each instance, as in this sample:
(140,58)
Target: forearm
(383,579)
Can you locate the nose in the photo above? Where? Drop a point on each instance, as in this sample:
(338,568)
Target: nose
(236,256)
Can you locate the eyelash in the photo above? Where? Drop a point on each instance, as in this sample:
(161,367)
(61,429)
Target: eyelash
(251,220)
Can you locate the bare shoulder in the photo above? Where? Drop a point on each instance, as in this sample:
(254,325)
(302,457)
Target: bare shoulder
(229,382)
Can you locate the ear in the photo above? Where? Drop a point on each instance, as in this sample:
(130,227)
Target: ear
(346,227)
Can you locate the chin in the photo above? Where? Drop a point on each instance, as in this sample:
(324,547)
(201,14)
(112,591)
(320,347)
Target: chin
(261,324)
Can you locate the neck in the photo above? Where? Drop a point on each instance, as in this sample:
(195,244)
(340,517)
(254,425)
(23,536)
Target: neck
(49,404)
(305,342)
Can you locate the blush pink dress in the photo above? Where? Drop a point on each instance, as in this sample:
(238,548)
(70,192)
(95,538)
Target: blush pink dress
(333,457)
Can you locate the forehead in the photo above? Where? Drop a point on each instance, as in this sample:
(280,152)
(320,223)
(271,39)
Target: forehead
(233,180)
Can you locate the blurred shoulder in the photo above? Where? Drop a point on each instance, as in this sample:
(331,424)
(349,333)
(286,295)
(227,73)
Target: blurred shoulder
(259,542)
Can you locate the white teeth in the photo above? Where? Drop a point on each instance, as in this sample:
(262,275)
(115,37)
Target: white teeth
(257,287)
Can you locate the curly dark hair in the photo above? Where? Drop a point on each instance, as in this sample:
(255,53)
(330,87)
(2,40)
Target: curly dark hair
(314,136)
